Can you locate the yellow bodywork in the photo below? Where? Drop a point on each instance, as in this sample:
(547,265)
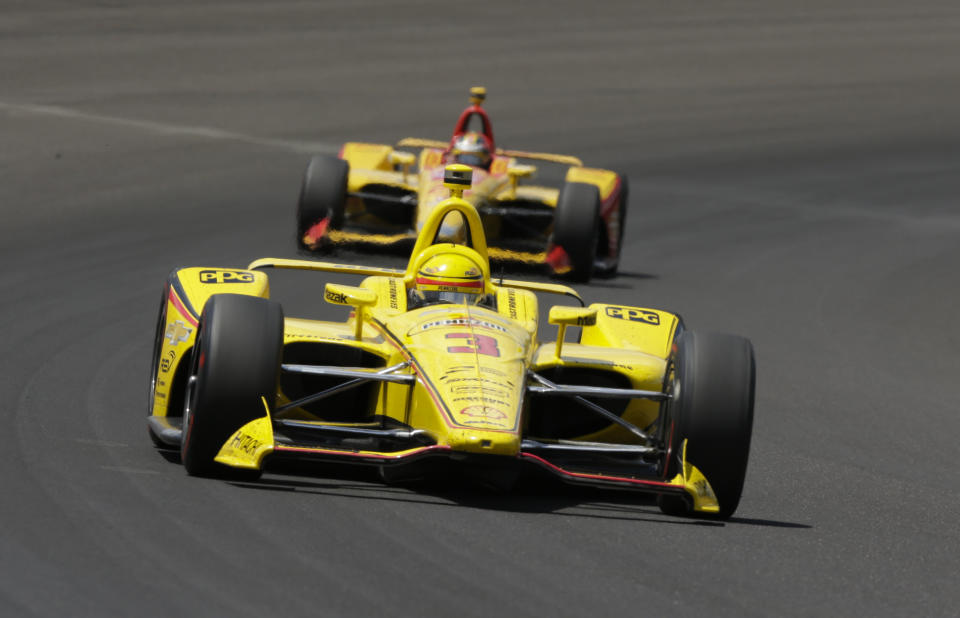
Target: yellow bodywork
(605,180)
(697,486)
(187,291)
(247,447)
(470,363)
(382,165)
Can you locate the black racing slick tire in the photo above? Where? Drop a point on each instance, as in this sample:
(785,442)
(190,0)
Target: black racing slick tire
(236,361)
(576,227)
(712,379)
(323,195)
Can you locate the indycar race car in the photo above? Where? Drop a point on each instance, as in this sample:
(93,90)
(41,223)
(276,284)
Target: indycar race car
(439,369)
(373,194)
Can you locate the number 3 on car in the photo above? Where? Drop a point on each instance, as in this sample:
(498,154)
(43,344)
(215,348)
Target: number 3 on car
(474,344)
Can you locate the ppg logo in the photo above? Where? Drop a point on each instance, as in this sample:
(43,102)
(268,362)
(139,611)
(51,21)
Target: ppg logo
(225,276)
(634,315)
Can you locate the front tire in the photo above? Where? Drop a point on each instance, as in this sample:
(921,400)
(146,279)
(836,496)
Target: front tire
(576,227)
(323,195)
(236,361)
(713,383)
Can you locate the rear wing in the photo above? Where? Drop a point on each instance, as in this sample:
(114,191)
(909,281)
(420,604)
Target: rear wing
(416,142)
(330,267)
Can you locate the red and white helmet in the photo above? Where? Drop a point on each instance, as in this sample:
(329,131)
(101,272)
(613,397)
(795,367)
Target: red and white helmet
(472,149)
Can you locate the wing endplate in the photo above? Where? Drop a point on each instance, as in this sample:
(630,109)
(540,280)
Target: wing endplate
(247,447)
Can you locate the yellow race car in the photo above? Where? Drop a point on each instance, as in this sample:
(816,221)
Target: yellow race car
(438,368)
(377,195)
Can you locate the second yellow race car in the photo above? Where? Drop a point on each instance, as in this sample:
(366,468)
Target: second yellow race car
(377,194)
(440,368)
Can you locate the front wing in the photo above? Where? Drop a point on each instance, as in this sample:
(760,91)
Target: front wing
(248,447)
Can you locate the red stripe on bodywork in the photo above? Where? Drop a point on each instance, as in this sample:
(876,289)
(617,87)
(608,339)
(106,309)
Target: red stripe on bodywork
(316,231)
(607,205)
(558,260)
(613,202)
(596,477)
(459,284)
(181,308)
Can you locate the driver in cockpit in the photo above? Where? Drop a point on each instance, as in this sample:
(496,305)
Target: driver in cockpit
(451,276)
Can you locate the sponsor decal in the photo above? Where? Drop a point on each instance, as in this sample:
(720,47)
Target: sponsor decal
(496,372)
(492,414)
(482,400)
(457,369)
(486,381)
(167,361)
(394,294)
(225,276)
(467,388)
(634,315)
(336,297)
(245,442)
(462,322)
(177,332)
(512,303)
(701,488)
(496,391)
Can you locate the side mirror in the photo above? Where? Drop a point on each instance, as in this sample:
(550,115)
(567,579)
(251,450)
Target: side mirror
(404,160)
(570,316)
(516,172)
(360,298)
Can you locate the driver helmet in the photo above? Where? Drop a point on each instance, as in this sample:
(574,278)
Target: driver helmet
(450,277)
(472,149)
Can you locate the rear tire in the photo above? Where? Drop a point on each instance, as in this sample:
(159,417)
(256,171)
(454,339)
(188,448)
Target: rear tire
(323,195)
(713,383)
(576,227)
(236,361)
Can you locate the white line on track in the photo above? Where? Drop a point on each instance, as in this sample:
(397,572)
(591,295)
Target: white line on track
(128,470)
(104,443)
(160,128)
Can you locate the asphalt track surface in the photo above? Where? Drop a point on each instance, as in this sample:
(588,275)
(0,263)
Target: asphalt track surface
(795,169)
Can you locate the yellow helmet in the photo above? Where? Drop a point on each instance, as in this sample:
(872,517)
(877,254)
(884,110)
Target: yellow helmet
(451,277)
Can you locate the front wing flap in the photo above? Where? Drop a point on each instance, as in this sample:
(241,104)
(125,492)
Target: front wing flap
(689,483)
(247,447)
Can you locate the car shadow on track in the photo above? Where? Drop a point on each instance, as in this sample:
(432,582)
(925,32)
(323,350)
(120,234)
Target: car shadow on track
(616,282)
(534,494)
